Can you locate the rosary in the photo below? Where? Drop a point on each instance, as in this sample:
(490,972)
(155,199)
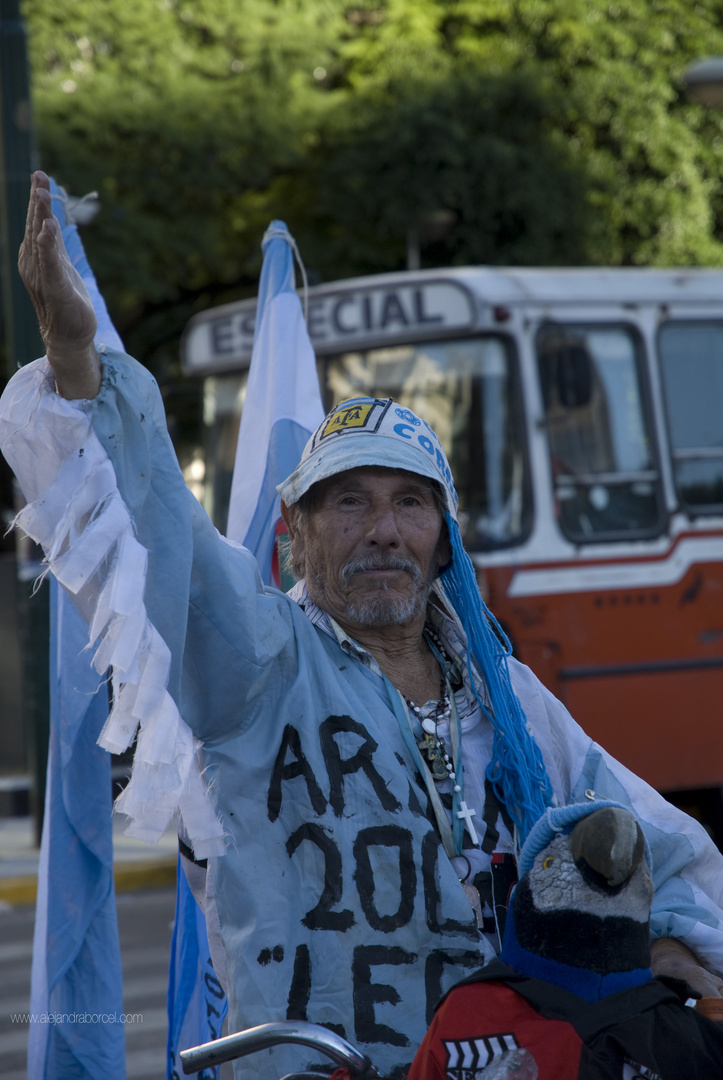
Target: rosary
(441,765)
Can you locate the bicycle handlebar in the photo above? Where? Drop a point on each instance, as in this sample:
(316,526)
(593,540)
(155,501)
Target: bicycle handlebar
(265,1036)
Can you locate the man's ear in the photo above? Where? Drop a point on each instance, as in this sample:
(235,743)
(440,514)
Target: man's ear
(444,549)
(298,548)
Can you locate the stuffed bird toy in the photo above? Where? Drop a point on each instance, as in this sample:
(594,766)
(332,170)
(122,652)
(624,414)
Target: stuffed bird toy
(572,996)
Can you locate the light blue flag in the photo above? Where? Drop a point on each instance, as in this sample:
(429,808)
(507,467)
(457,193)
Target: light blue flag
(282,407)
(77,990)
(197,1005)
(76,985)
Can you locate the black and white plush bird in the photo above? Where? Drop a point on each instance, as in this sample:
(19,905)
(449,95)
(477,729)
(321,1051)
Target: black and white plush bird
(572,996)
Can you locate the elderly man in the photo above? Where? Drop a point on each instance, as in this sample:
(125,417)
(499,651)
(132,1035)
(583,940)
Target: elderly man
(372,755)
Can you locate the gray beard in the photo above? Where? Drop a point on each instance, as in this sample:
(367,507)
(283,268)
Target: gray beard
(387,610)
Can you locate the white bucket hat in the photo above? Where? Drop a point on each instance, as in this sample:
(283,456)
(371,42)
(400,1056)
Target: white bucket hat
(370,431)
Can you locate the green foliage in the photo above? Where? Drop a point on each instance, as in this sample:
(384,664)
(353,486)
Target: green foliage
(546,131)
(485,150)
(172,112)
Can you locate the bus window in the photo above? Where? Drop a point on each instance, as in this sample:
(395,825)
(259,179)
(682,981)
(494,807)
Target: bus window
(467,390)
(691,360)
(606,482)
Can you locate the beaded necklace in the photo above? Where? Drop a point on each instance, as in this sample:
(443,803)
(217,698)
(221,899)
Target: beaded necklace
(440,764)
(432,745)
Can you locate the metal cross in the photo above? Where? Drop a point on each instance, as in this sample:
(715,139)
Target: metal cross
(468,813)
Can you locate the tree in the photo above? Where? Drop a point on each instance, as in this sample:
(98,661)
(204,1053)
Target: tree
(548,131)
(555,129)
(177,114)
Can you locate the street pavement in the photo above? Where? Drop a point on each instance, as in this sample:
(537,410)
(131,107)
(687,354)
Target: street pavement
(145,922)
(145,887)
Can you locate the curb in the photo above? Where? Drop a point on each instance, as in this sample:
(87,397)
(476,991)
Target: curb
(19,890)
(129,877)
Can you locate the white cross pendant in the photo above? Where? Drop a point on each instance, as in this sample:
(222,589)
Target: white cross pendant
(468,813)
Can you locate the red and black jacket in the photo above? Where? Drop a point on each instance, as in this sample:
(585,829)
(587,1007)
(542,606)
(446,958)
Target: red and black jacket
(497,1018)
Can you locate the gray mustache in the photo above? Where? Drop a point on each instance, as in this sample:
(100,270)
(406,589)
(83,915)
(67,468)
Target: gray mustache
(375,562)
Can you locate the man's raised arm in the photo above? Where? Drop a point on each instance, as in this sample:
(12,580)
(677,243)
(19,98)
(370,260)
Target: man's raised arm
(64,308)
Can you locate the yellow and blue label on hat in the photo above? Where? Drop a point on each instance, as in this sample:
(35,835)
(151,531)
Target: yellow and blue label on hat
(356,414)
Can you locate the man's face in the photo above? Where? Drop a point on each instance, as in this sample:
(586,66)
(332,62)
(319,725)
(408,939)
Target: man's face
(372,546)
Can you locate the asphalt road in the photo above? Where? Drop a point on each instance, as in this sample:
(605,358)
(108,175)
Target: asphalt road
(145,921)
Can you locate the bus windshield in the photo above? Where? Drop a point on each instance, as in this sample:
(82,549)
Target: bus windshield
(467,390)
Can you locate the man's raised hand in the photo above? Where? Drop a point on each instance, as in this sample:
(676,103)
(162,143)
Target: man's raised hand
(63,306)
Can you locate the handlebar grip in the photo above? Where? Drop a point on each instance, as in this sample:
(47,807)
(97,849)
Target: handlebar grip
(279,1033)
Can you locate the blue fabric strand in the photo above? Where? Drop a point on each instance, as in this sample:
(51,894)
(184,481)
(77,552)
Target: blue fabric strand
(517,770)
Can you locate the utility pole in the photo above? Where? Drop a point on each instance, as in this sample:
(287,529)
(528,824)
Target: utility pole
(17,161)
(22,344)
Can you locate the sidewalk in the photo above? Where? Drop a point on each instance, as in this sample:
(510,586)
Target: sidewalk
(136,865)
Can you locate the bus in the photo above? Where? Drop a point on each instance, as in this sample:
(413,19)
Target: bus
(582,413)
